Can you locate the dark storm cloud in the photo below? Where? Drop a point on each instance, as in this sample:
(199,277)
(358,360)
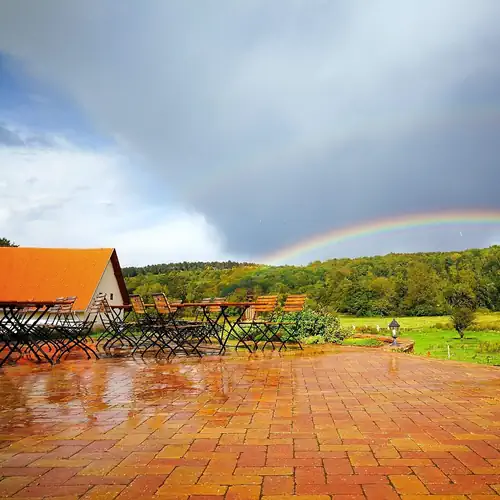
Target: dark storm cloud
(279,120)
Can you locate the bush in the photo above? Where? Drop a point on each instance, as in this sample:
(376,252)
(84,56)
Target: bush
(485,327)
(363,342)
(443,326)
(316,323)
(314,339)
(371,330)
(462,318)
(345,333)
(488,347)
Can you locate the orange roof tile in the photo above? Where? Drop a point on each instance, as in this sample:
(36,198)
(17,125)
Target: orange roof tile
(48,273)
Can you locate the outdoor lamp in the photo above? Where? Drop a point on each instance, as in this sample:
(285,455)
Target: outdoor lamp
(394,326)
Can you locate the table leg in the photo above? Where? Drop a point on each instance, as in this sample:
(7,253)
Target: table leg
(232,328)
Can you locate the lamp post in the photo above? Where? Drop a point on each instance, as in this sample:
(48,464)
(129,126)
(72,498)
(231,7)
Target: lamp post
(394,326)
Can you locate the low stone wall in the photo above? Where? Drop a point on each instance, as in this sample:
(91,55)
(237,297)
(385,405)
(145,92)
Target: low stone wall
(404,345)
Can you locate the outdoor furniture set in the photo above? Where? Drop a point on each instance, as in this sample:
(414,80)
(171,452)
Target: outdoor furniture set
(50,331)
(46,331)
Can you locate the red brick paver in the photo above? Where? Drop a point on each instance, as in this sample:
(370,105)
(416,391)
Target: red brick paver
(343,424)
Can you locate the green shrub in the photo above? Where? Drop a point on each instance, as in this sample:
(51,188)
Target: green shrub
(315,323)
(488,347)
(372,330)
(314,339)
(462,317)
(443,326)
(485,327)
(344,333)
(363,342)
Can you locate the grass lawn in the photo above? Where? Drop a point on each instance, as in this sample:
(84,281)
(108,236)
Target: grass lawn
(363,342)
(406,322)
(414,322)
(477,347)
(474,347)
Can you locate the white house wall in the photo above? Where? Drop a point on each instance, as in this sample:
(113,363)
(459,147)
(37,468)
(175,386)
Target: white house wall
(109,286)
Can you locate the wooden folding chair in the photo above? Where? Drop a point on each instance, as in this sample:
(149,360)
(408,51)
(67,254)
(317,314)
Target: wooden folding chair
(294,304)
(117,330)
(59,317)
(147,325)
(76,331)
(261,324)
(176,334)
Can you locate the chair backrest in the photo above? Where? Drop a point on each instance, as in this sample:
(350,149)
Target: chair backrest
(56,308)
(106,308)
(249,314)
(97,304)
(295,303)
(162,305)
(27,309)
(216,307)
(137,304)
(265,304)
(173,303)
(65,306)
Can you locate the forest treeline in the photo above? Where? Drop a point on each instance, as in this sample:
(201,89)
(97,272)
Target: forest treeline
(129,272)
(418,284)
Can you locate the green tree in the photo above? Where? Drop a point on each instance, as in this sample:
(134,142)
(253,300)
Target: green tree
(462,317)
(4,242)
(401,284)
(460,296)
(384,289)
(423,294)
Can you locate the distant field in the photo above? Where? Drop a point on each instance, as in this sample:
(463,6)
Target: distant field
(477,347)
(484,320)
(406,322)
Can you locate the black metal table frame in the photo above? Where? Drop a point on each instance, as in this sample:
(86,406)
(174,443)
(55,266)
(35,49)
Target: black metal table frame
(23,319)
(214,324)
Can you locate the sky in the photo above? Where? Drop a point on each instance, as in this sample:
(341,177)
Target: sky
(217,130)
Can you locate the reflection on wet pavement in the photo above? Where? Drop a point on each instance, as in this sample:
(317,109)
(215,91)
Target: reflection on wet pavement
(344,422)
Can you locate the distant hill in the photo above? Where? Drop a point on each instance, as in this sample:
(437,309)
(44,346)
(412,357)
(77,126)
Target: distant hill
(418,284)
(181,266)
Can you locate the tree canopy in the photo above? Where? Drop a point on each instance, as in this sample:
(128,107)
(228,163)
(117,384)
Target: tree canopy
(418,284)
(4,242)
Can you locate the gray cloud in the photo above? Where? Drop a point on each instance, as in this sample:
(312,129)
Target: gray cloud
(9,138)
(16,138)
(282,119)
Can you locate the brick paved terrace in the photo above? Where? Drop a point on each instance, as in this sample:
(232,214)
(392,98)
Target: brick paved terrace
(345,424)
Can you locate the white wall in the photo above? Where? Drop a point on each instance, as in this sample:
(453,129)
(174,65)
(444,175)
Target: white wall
(109,285)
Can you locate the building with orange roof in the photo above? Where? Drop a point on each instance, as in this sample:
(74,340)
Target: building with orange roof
(44,274)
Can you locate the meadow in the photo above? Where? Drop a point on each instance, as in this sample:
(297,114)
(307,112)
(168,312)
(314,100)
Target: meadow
(484,321)
(433,335)
(476,346)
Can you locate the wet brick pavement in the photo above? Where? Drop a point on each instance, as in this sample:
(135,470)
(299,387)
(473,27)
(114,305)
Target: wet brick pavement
(347,424)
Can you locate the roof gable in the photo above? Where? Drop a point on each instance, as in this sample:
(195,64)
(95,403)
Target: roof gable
(48,273)
(119,277)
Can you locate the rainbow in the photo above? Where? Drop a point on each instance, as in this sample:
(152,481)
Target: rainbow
(385,225)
